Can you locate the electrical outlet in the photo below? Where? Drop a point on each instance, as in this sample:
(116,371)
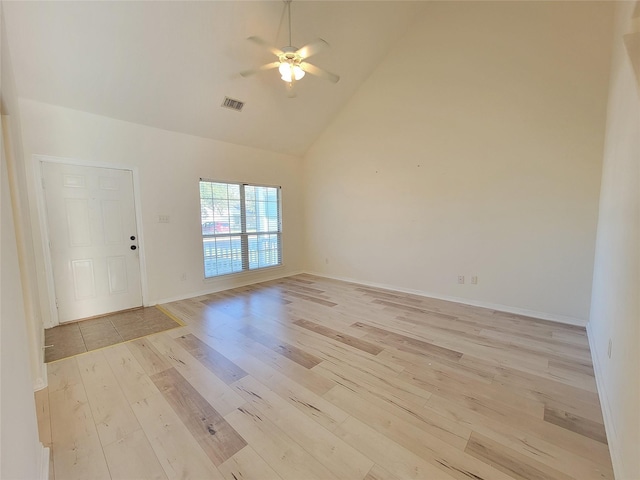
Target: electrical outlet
(474,280)
(609,349)
(163,218)
(460,279)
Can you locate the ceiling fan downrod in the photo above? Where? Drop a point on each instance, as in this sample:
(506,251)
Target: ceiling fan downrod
(288,3)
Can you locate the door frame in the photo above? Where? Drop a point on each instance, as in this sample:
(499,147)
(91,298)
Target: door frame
(38,161)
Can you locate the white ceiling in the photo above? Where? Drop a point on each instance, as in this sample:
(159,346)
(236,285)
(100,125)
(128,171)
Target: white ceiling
(169,65)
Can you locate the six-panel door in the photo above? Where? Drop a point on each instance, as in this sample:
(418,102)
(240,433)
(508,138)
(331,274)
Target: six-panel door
(94,241)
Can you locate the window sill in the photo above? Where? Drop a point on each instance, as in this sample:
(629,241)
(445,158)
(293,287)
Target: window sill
(243,274)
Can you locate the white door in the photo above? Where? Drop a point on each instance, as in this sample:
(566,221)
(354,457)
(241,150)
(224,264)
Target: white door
(93,239)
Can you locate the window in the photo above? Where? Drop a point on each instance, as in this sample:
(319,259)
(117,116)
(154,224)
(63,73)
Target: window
(240,227)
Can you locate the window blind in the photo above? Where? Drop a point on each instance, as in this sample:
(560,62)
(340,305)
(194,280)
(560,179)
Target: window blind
(241,227)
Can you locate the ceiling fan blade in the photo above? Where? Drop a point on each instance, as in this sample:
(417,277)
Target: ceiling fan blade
(312,48)
(267,45)
(319,72)
(253,71)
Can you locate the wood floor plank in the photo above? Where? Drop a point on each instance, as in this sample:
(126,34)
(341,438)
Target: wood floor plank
(441,325)
(62,375)
(465,341)
(132,457)
(177,450)
(394,389)
(112,414)
(413,309)
(328,349)
(413,412)
(338,320)
(283,348)
(575,423)
(459,387)
(222,367)
(388,454)
(406,342)
(379,473)
(570,376)
(340,354)
(298,286)
(215,391)
(223,340)
(526,434)
(340,337)
(576,338)
(523,319)
(214,435)
(584,367)
(340,458)
(76,446)
(448,459)
(133,380)
(304,399)
(309,298)
(409,360)
(532,343)
(290,460)
(551,392)
(147,356)
(510,462)
(247,465)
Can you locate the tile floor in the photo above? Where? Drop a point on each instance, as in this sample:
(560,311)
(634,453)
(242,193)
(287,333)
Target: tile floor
(71,339)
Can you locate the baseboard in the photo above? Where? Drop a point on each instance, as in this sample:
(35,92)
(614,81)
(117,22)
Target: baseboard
(44,463)
(565,319)
(605,405)
(236,283)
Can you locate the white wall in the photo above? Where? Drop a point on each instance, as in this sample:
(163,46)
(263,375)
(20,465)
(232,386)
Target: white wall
(615,306)
(21,454)
(17,181)
(20,449)
(169,165)
(475,148)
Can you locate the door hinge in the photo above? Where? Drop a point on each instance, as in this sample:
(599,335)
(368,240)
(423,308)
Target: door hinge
(57,306)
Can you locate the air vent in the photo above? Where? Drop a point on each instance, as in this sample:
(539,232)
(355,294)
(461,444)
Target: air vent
(232,104)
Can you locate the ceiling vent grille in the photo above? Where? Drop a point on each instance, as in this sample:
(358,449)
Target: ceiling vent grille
(232,104)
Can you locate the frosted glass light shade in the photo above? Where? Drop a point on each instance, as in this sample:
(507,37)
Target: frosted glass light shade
(286,70)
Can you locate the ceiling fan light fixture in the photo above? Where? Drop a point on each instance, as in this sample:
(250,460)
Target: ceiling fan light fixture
(288,70)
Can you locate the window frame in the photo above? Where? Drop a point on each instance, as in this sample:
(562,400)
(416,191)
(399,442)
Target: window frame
(243,234)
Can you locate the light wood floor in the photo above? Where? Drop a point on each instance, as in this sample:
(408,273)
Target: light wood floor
(309,378)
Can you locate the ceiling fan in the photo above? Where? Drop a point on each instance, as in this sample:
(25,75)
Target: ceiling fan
(291,62)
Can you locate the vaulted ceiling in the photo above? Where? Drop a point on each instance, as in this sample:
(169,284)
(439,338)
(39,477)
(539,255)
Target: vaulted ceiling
(169,65)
